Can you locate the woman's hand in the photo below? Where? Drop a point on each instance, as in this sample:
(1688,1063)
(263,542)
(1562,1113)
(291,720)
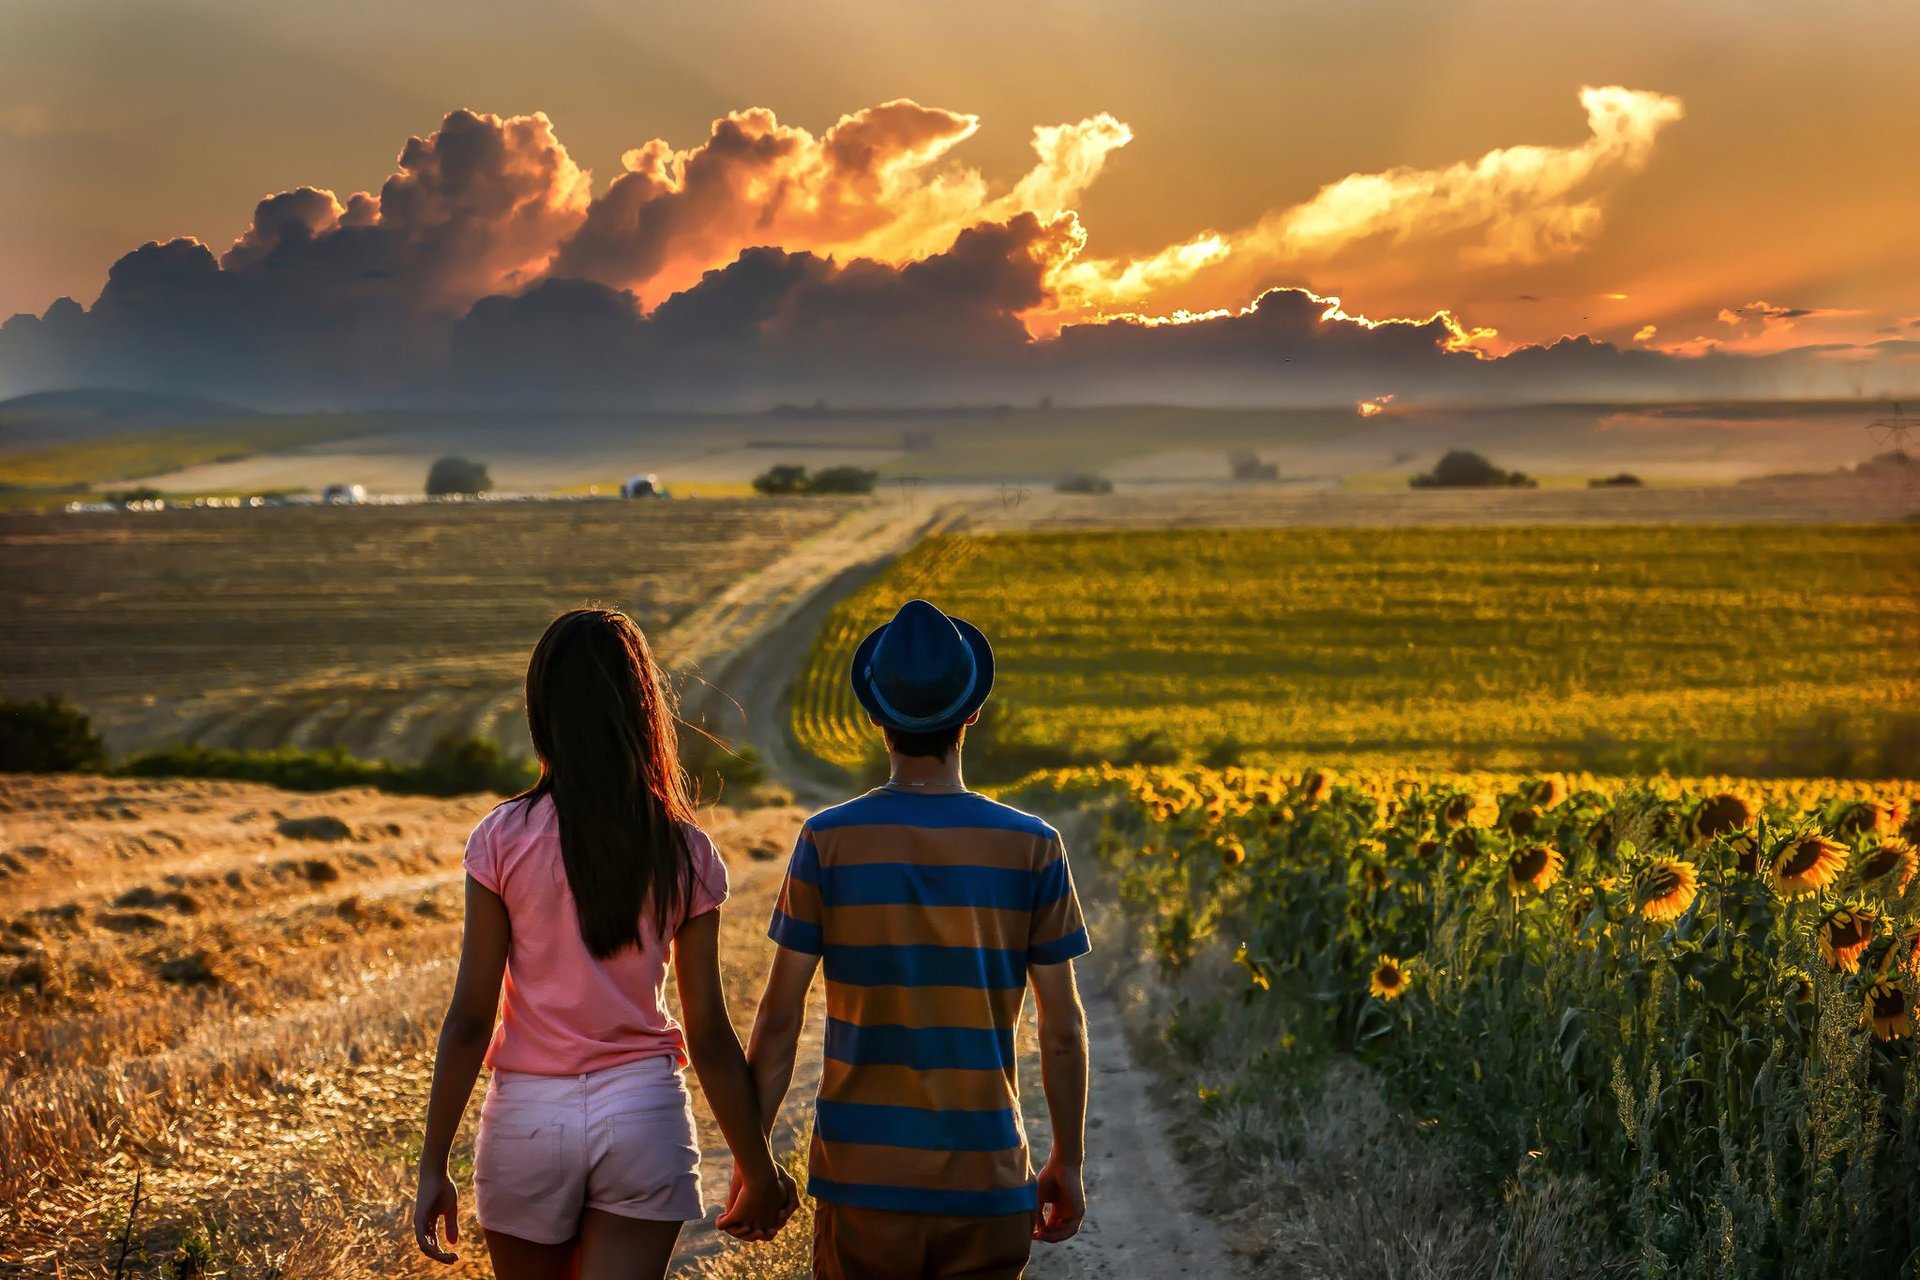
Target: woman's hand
(435,1202)
(758,1207)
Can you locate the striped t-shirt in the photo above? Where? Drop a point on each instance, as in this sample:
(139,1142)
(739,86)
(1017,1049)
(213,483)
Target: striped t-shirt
(927,909)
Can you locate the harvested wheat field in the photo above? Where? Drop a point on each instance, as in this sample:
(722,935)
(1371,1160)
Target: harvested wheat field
(232,992)
(377,629)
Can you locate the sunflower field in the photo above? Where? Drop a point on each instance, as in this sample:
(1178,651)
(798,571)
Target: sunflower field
(1695,998)
(1754,650)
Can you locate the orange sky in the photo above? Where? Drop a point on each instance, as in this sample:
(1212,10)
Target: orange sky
(1747,175)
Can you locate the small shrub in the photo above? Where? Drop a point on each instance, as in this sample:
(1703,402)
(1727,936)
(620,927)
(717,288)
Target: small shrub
(48,736)
(1247,465)
(720,772)
(1465,469)
(783,478)
(1083,484)
(456,475)
(786,478)
(457,766)
(843,480)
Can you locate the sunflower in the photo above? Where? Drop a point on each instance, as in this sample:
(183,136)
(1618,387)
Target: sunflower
(1600,834)
(1465,844)
(1805,865)
(1376,876)
(1666,888)
(1888,866)
(1232,852)
(1886,1011)
(1454,811)
(1427,848)
(1879,817)
(1797,989)
(1548,791)
(1906,949)
(1388,980)
(1523,820)
(1719,814)
(1533,869)
(1843,934)
(1746,853)
(1317,786)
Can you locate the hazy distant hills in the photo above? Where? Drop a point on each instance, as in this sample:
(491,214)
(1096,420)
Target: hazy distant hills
(65,417)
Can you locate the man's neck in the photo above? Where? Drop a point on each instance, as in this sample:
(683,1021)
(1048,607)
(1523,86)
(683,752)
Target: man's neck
(925,771)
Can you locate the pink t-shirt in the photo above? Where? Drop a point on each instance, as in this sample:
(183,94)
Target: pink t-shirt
(565,1012)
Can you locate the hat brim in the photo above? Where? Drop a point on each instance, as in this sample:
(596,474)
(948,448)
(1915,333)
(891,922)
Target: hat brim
(976,696)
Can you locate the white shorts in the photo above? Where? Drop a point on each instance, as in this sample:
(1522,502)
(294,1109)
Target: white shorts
(551,1147)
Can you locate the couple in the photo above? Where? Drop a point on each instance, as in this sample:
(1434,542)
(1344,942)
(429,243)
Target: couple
(932,907)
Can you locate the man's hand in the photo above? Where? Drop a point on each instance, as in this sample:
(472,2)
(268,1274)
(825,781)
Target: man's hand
(757,1209)
(1063,1202)
(435,1202)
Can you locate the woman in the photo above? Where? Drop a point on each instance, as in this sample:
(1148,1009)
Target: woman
(586,1162)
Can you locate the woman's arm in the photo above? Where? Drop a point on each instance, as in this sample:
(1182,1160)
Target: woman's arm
(463,1045)
(770,1195)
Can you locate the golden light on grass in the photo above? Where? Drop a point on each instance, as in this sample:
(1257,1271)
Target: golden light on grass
(1807,865)
(1719,814)
(1389,979)
(1887,1013)
(1843,935)
(1666,888)
(1533,869)
(1887,867)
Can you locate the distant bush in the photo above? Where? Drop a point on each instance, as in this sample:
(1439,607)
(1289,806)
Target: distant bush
(1247,465)
(1009,742)
(453,766)
(786,478)
(453,475)
(1625,480)
(48,736)
(1465,469)
(781,479)
(1083,484)
(140,493)
(843,480)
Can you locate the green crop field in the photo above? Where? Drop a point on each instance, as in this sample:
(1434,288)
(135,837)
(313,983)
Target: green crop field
(1744,649)
(69,469)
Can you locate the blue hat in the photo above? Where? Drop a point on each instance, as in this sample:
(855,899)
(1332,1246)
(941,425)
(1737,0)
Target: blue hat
(924,671)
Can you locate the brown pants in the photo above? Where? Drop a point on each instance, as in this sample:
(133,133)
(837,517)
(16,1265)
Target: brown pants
(879,1244)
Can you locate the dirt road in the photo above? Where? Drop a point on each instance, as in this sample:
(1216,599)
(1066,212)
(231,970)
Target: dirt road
(1139,1220)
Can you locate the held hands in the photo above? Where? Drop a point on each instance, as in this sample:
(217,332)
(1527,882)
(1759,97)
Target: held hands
(759,1205)
(436,1202)
(1063,1202)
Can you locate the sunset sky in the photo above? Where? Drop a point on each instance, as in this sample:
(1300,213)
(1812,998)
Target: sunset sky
(1677,176)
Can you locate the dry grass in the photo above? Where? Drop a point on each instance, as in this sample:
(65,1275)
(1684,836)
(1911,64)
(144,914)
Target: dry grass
(269,1094)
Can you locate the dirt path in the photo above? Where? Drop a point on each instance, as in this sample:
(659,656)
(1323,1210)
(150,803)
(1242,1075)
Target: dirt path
(1139,1224)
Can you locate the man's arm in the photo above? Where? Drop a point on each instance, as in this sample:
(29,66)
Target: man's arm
(1063,1074)
(776,1028)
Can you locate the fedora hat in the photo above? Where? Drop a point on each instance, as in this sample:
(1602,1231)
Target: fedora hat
(924,671)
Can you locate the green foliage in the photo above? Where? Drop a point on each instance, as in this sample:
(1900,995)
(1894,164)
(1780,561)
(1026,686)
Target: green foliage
(48,736)
(786,478)
(453,766)
(1682,1045)
(1749,650)
(1083,483)
(455,475)
(721,773)
(1465,469)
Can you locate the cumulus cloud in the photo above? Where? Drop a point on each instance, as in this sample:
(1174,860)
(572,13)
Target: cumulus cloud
(1518,204)
(1761,326)
(877,184)
(865,263)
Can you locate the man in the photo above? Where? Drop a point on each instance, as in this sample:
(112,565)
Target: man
(933,908)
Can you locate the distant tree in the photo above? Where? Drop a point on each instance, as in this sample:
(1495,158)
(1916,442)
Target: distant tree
(1083,484)
(1465,469)
(48,736)
(843,480)
(783,478)
(453,475)
(1624,480)
(1246,465)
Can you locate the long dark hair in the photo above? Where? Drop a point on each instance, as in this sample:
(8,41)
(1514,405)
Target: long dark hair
(603,730)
